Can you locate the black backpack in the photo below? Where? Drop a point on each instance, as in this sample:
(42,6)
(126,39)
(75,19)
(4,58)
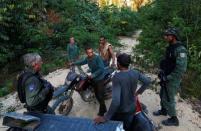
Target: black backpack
(21,83)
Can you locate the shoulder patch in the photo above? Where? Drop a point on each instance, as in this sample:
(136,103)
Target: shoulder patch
(32,87)
(182,55)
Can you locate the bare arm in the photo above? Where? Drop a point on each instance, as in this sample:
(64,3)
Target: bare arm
(112,53)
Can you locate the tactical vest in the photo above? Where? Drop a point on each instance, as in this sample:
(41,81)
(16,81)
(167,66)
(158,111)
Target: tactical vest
(169,63)
(21,79)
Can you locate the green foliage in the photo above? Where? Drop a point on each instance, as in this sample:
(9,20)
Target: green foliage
(45,27)
(7,88)
(39,26)
(19,25)
(158,16)
(57,60)
(123,20)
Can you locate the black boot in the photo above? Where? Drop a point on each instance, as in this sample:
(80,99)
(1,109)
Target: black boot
(173,121)
(160,112)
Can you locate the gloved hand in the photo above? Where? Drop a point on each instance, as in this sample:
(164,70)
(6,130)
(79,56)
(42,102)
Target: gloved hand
(163,79)
(162,76)
(47,90)
(48,85)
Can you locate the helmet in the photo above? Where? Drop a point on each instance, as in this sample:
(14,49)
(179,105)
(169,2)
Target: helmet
(172,31)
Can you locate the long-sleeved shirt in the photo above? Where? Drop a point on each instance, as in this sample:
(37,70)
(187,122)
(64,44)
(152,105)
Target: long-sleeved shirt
(96,67)
(124,86)
(72,52)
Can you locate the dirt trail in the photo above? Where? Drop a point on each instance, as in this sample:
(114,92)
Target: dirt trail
(189,119)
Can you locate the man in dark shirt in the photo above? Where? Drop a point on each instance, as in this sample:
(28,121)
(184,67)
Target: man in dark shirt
(124,88)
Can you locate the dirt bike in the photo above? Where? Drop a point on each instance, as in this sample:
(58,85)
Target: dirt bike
(63,101)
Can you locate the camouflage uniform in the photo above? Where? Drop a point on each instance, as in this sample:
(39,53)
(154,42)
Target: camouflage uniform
(174,65)
(38,92)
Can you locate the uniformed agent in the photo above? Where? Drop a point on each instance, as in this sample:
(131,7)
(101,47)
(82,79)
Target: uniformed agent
(32,89)
(173,65)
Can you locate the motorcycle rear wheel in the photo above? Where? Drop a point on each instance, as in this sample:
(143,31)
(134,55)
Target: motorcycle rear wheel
(87,95)
(108,92)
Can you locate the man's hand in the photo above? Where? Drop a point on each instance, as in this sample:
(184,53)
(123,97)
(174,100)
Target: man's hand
(48,85)
(89,77)
(113,65)
(99,119)
(162,76)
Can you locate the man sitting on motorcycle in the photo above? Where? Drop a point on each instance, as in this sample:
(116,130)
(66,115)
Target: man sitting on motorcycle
(124,86)
(97,76)
(32,89)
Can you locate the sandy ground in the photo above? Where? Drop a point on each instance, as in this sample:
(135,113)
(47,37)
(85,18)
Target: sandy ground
(189,119)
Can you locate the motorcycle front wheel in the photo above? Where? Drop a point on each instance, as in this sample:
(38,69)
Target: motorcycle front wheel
(65,107)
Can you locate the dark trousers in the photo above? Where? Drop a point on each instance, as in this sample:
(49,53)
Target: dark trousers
(99,93)
(126,118)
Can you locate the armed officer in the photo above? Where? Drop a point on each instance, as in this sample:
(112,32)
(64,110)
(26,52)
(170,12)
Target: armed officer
(32,89)
(172,68)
